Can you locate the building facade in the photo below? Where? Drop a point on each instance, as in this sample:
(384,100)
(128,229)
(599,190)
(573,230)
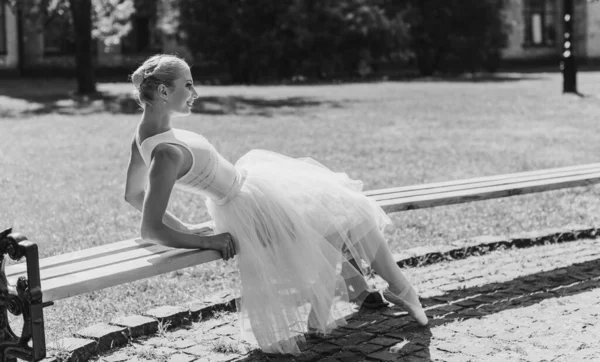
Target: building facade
(9,48)
(535,33)
(536,29)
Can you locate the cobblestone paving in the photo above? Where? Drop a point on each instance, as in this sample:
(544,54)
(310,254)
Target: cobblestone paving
(532,304)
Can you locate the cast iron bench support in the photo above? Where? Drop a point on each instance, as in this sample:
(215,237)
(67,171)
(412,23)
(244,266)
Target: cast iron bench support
(23,299)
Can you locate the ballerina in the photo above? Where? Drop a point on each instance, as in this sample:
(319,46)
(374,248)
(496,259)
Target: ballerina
(293,223)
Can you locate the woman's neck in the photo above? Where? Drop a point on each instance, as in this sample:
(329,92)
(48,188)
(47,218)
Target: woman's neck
(156,120)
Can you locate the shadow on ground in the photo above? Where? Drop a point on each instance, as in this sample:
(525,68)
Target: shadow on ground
(472,78)
(30,96)
(413,76)
(126,104)
(373,334)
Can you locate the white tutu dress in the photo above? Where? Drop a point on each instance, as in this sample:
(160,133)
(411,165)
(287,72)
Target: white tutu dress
(294,222)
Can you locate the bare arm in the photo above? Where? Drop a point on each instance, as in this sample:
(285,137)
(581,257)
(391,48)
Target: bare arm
(137,178)
(164,168)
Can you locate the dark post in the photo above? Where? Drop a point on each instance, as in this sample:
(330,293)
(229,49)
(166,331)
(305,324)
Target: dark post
(568,66)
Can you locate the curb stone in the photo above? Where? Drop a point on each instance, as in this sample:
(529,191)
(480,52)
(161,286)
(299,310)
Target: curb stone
(168,316)
(81,349)
(137,325)
(105,335)
(481,245)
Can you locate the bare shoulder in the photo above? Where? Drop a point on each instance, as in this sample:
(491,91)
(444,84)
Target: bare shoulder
(168,153)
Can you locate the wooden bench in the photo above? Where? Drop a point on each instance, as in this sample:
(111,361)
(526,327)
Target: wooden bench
(29,287)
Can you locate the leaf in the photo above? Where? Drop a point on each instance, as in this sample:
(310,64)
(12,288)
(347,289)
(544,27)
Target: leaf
(112,19)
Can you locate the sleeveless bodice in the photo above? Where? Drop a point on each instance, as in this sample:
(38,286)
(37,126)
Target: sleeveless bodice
(210,175)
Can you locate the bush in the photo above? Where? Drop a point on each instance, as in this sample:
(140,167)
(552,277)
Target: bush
(263,39)
(346,37)
(456,35)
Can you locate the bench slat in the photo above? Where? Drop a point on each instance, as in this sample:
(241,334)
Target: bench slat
(125,272)
(515,181)
(80,255)
(85,254)
(485,193)
(434,185)
(63,269)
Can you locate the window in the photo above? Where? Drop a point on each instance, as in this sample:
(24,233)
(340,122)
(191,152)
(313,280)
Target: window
(540,22)
(2,27)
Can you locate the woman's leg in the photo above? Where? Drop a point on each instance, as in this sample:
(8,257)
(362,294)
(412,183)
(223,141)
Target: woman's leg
(383,263)
(358,289)
(400,290)
(355,281)
(350,272)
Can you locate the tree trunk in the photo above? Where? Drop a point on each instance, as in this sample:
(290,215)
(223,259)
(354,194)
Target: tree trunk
(81,12)
(568,65)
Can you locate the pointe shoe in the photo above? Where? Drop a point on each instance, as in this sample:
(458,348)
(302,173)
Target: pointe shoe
(413,308)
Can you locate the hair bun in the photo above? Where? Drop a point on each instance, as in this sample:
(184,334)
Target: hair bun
(137,78)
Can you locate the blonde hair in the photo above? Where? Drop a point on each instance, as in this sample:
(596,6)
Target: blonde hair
(156,70)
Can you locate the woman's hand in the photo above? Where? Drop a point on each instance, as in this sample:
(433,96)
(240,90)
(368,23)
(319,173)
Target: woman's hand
(222,243)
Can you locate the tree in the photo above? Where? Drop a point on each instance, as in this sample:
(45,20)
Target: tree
(266,39)
(107,20)
(456,35)
(111,19)
(345,36)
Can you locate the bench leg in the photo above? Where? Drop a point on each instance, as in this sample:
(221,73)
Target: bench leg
(23,299)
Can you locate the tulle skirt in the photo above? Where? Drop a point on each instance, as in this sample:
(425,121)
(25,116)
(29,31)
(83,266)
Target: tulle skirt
(296,224)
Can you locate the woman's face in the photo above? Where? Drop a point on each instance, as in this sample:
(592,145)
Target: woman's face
(183,94)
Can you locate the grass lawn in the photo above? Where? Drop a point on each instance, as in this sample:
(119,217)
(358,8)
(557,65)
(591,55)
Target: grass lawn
(63,166)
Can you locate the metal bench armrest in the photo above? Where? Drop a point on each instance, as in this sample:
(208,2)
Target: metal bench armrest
(23,299)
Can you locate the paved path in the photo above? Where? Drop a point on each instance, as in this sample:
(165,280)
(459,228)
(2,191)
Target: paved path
(533,304)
